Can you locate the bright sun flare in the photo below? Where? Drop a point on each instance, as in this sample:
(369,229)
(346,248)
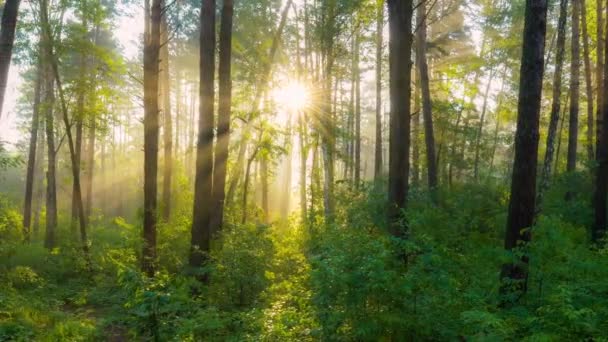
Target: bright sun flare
(294,96)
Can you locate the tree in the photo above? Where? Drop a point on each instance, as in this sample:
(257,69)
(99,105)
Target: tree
(520,217)
(574,88)
(598,230)
(201,234)
(400,45)
(165,91)
(588,83)
(31,160)
(556,104)
(151,129)
(224,113)
(423,70)
(378,146)
(7,37)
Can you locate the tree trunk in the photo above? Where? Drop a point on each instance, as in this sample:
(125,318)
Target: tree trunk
(423,70)
(357,113)
(598,230)
(559,139)
(482,121)
(48,38)
(39,172)
(400,47)
(555,107)
(201,235)
(51,187)
(574,88)
(588,83)
(378,146)
(31,160)
(599,79)
(165,87)
(224,113)
(90,168)
(523,185)
(303,158)
(7,37)
(151,132)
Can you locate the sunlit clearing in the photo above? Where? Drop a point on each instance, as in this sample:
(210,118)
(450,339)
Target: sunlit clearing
(294,96)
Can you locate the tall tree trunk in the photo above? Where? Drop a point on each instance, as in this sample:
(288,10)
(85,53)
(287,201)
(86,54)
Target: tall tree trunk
(560,135)
(599,70)
(31,160)
(151,133)
(400,50)
(598,230)
(224,113)
(90,167)
(303,158)
(264,188)
(51,187)
(7,37)
(165,87)
(378,146)
(78,120)
(555,106)
(423,70)
(201,234)
(482,121)
(39,172)
(523,185)
(588,83)
(48,37)
(574,88)
(357,113)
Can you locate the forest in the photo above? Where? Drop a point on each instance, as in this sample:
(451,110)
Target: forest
(303,170)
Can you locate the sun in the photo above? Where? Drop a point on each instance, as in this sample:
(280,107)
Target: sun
(294,96)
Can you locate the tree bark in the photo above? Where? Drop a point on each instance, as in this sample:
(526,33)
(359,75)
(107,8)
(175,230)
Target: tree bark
(598,230)
(423,70)
(203,187)
(588,83)
(523,185)
(482,120)
(224,113)
(400,47)
(51,187)
(31,160)
(151,133)
(7,37)
(378,146)
(555,106)
(357,113)
(599,70)
(165,89)
(574,88)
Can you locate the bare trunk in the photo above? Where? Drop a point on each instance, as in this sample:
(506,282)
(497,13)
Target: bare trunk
(7,37)
(523,186)
(480,127)
(574,88)
(555,107)
(31,160)
(378,146)
(400,47)
(224,113)
(168,124)
(598,230)
(357,113)
(203,187)
(151,133)
(427,114)
(588,83)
